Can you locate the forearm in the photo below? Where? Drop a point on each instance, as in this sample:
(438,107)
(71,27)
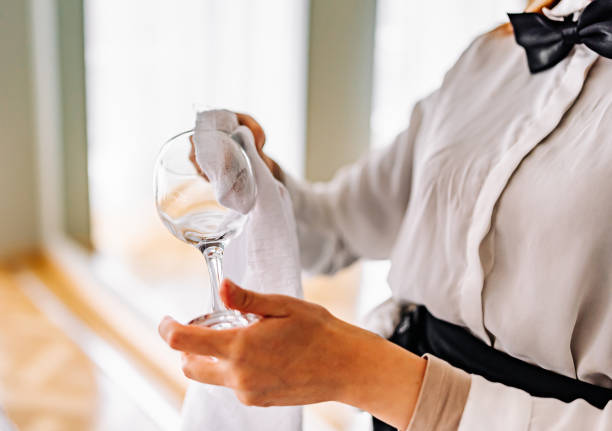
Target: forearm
(381,378)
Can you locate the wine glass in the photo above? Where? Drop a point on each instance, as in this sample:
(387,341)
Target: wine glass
(187,206)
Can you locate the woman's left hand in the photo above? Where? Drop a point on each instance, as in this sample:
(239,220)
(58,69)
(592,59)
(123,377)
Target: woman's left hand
(298,353)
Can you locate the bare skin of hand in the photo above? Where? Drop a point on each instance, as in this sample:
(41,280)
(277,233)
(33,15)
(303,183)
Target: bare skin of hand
(260,140)
(298,353)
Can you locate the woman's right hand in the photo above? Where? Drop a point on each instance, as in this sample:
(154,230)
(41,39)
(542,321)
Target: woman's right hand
(260,140)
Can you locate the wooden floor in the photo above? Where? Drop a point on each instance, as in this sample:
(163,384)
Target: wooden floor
(46,382)
(36,395)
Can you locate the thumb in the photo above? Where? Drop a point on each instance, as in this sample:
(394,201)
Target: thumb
(248,301)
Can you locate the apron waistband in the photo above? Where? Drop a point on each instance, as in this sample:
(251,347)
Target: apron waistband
(420,332)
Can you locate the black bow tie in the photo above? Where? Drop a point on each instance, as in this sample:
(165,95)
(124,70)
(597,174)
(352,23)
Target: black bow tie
(547,42)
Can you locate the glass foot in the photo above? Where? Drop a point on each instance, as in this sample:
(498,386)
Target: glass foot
(225,319)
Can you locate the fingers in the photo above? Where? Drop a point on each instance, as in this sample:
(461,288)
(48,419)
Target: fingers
(260,140)
(196,339)
(251,302)
(258,133)
(192,159)
(204,369)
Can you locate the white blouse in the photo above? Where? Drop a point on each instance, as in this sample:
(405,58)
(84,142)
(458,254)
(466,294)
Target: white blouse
(495,208)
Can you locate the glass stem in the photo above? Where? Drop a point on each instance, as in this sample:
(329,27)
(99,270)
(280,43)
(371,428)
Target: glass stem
(214,261)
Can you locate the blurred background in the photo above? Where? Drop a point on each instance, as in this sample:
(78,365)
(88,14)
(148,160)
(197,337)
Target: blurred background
(90,89)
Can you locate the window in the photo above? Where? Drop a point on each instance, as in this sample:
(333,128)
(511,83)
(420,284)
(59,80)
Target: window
(148,65)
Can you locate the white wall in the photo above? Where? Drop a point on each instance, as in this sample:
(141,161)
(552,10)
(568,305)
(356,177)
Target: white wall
(18,192)
(340,67)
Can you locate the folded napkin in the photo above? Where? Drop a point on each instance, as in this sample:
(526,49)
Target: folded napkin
(264,258)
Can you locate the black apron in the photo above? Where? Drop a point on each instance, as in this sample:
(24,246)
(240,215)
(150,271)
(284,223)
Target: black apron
(420,332)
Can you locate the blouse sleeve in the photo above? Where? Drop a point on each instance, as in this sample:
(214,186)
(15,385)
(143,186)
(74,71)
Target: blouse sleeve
(359,212)
(452,399)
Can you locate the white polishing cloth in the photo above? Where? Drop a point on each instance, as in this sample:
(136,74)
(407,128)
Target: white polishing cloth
(218,156)
(264,258)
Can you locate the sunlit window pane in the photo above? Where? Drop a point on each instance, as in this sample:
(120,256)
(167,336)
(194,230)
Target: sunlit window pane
(149,63)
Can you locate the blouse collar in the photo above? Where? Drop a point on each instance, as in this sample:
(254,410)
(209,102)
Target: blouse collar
(565,8)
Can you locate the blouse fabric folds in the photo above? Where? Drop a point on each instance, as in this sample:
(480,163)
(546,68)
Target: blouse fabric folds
(495,209)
